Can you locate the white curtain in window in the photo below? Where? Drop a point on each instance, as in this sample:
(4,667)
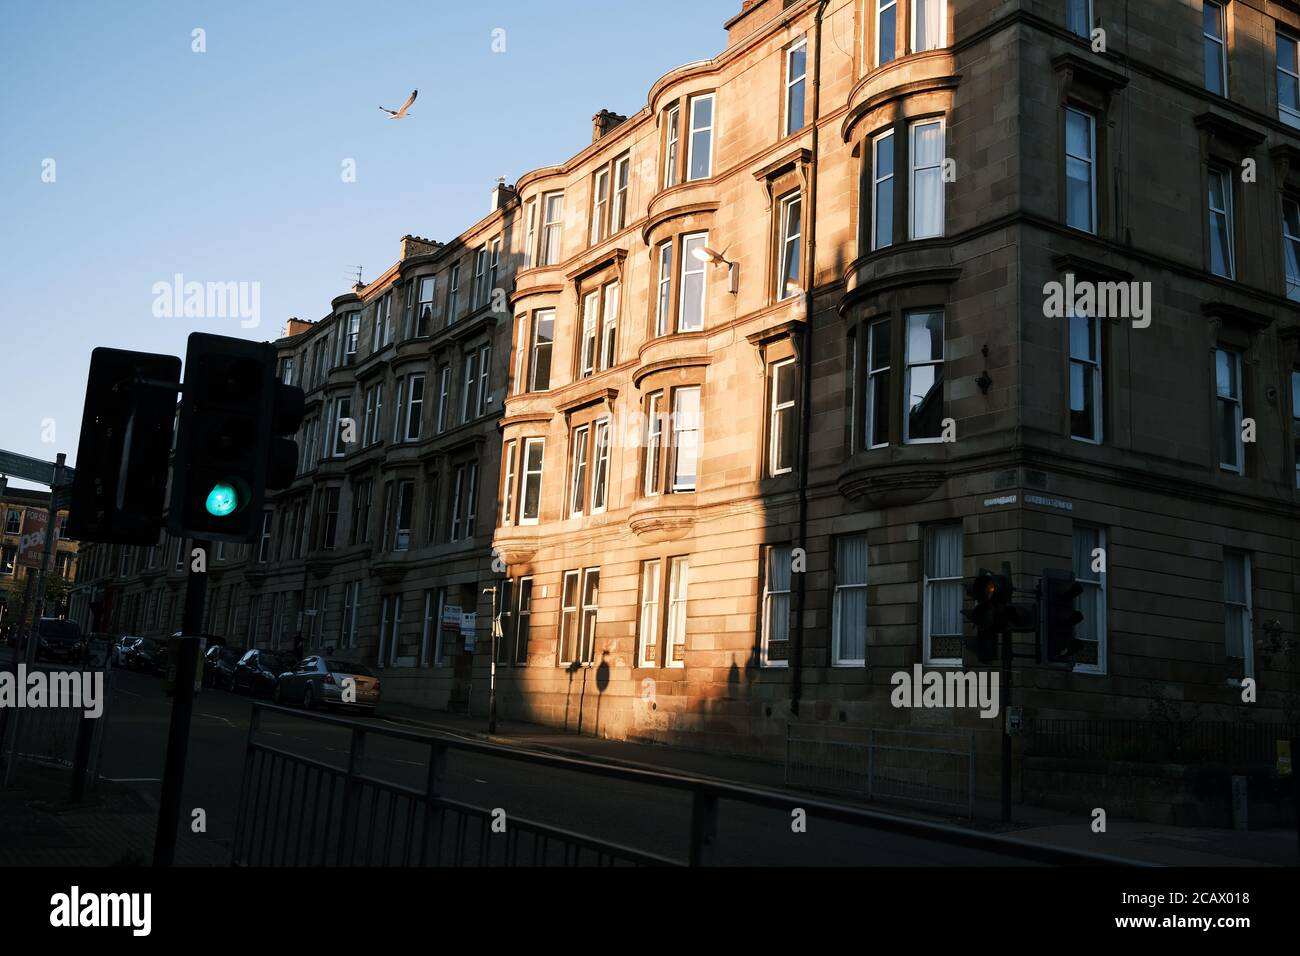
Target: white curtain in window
(778,579)
(927,180)
(943,560)
(929,24)
(851,598)
(1234,599)
(1087,540)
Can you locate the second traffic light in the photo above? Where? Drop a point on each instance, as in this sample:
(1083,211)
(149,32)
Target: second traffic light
(992,596)
(1060,616)
(228,445)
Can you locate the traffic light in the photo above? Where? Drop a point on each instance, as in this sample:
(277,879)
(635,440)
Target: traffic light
(1060,617)
(228,449)
(120,484)
(992,596)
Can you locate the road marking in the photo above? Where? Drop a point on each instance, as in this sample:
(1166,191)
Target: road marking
(132,779)
(215,717)
(129,693)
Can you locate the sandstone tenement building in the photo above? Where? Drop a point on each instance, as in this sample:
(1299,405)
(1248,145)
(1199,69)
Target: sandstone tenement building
(735,398)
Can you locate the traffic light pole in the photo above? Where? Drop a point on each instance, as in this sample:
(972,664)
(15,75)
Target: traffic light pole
(178,736)
(1006,729)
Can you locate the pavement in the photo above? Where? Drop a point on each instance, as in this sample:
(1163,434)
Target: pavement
(116,825)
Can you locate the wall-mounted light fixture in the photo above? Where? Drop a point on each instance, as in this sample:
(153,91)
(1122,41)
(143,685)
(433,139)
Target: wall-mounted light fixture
(705,254)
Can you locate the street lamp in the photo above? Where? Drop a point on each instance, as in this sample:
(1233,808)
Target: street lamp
(705,254)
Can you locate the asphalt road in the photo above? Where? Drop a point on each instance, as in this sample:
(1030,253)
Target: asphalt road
(633,814)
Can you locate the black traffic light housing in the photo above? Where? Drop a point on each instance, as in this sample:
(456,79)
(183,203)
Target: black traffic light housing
(992,596)
(1060,617)
(120,485)
(228,449)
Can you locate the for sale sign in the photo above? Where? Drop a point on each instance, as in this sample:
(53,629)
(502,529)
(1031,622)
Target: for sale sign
(31,545)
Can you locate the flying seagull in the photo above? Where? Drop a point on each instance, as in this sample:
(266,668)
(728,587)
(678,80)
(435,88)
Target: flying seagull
(401,114)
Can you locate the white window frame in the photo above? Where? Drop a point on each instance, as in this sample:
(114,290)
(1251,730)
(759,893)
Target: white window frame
(484,363)
(530,240)
(672,145)
(679,581)
(1248,609)
(1286,114)
(453,293)
(444,396)
(1220,40)
(664,287)
(880,183)
(552,251)
(770,554)
(1090,162)
(1098,392)
(1295,422)
(600,466)
(578,470)
(610,298)
(1072,12)
(1291,241)
(654,443)
(600,201)
(678,431)
(882,7)
(943,25)
(695,132)
(536,346)
(622,181)
(691,266)
(648,619)
(928,591)
(1235,400)
(915,169)
(1225,185)
(526,475)
(1092,602)
(414,407)
(837,636)
(588,344)
(876,386)
(908,365)
(479,295)
(422,303)
(784,282)
(508,492)
(792,81)
(774,416)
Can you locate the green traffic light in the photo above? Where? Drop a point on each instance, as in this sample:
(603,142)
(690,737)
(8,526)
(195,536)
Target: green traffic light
(222,500)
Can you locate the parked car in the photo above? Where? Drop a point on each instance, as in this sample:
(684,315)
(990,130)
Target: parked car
(320,681)
(121,648)
(147,656)
(219,665)
(58,640)
(258,670)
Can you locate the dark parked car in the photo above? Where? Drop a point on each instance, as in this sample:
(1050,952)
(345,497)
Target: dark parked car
(147,656)
(258,670)
(58,641)
(219,665)
(321,681)
(121,649)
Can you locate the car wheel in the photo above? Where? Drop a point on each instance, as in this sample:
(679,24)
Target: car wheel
(307,702)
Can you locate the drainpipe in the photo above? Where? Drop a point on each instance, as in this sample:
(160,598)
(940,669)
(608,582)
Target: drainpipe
(805,372)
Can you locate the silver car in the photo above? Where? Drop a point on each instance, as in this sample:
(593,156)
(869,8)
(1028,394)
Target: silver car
(320,681)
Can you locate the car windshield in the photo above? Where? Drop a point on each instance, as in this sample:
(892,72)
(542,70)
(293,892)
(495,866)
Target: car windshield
(278,662)
(347,667)
(63,629)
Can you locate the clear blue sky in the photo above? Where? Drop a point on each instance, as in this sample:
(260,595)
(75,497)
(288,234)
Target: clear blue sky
(225,166)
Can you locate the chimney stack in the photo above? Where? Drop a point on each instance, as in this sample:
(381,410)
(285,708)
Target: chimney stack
(605,122)
(501,194)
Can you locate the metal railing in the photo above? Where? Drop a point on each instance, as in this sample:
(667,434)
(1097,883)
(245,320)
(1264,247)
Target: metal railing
(934,769)
(48,735)
(1232,744)
(298,810)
